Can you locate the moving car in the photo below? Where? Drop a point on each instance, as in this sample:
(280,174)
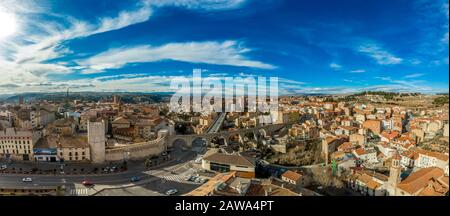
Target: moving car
(87,183)
(171,192)
(28,179)
(135,179)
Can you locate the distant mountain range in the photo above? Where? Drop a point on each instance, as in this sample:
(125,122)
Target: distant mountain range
(90,96)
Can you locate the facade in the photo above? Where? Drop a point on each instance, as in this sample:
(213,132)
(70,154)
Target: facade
(292,178)
(394,175)
(329,145)
(430,159)
(46,150)
(221,162)
(18,144)
(373,125)
(74,149)
(368,183)
(97,141)
(357,139)
(367,155)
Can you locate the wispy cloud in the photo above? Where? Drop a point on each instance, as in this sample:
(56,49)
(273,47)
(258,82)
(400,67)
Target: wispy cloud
(358,71)
(210,52)
(30,56)
(335,66)
(380,55)
(198,4)
(414,75)
(411,84)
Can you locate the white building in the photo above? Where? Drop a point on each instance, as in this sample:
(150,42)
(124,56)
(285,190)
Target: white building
(18,144)
(368,155)
(430,159)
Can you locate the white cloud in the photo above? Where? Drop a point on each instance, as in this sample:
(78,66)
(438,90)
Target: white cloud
(335,66)
(358,71)
(415,61)
(380,55)
(198,4)
(415,75)
(29,54)
(210,52)
(445,38)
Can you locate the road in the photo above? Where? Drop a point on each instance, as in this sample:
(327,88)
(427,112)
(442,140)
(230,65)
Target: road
(173,168)
(215,127)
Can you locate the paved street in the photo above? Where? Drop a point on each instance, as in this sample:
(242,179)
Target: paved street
(171,172)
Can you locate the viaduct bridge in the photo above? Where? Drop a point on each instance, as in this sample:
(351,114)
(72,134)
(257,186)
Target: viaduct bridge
(226,135)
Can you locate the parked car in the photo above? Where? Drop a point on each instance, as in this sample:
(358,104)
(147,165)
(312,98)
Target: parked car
(192,178)
(198,160)
(164,154)
(135,179)
(113,169)
(171,192)
(27,179)
(106,169)
(4,167)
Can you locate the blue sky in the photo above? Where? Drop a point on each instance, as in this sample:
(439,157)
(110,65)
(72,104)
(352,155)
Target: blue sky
(312,46)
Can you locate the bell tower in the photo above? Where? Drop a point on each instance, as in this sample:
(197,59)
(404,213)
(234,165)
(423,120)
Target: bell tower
(394,175)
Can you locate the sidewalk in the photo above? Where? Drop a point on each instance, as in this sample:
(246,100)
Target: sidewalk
(67,169)
(44,168)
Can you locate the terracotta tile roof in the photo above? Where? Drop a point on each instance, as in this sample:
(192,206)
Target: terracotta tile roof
(361,151)
(209,187)
(234,159)
(292,175)
(437,155)
(373,184)
(390,134)
(424,178)
(260,190)
(345,146)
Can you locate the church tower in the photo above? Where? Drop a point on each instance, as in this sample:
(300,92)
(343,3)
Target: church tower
(394,175)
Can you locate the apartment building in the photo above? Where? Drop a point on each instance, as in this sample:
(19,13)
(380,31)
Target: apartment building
(18,144)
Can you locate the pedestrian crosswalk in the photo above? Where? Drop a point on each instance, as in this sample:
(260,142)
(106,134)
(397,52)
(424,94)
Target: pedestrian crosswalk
(178,177)
(79,192)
